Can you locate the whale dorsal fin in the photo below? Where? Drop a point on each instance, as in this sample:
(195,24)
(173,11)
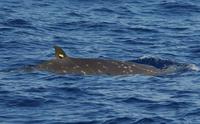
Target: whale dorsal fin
(59,53)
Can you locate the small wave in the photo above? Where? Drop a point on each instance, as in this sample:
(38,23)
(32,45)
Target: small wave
(154,120)
(120,120)
(78,122)
(102,25)
(175,28)
(81,25)
(41,4)
(175,7)
(39,121)
(125,29)
(183,94)
(169,105)
(196,50)
(137,100)
(4,92)
(119,30)
(18,23)
(137,41)
(7,9)
(195,112)
(193,67)
(75,14)
(61,77)
(107,10)
(26,102)
(6,29)
(75,25)
(143,30)
(72,91)
(37,90)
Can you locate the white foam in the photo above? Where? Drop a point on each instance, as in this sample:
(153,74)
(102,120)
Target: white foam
(146,56)
(193,67)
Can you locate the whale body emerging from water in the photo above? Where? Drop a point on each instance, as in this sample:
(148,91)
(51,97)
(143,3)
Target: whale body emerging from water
(63,64)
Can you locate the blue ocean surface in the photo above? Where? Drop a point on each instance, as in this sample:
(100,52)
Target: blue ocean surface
(161,33)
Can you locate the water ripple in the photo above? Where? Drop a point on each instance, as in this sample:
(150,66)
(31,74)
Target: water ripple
(169,105)
(180,8)
(18,23)
(103,9)
(154,120)
(120,120)
(161,33)
(134,100)
(25,102)
(195,112)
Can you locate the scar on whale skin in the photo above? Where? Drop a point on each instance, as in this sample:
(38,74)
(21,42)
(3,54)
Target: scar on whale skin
(64,64)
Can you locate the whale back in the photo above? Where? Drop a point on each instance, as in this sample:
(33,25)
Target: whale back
(65,64)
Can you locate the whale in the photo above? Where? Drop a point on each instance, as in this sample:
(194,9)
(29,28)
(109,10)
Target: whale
(65,64)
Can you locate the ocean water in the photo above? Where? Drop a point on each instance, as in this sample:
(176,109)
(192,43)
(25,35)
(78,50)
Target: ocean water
(162,33)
